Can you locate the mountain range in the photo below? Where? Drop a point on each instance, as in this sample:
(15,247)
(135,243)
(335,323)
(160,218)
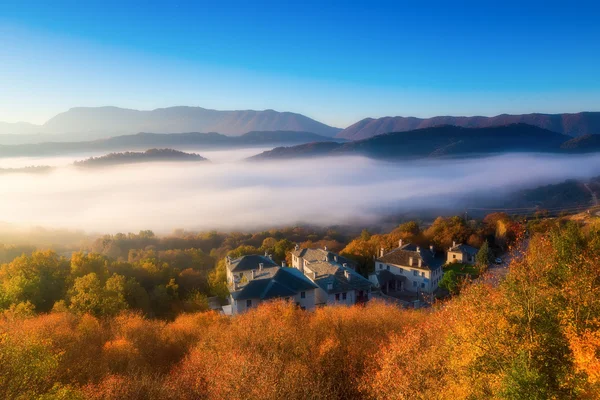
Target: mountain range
(447,140)
(91,123)
(85,123)
(579,124)
(142,141)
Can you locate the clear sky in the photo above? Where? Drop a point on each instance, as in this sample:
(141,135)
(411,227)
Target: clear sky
(334,61)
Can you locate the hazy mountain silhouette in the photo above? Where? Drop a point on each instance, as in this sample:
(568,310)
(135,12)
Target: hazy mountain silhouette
(143,141)
(84,123)
(447,140)
(569,124)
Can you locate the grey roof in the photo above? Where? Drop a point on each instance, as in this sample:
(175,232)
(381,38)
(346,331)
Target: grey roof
(313,255)
(465,248)
(250,262)
(401,256)
(283,283)
(330,272)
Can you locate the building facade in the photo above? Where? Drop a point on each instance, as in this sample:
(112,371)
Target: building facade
(462,253)
(408,268)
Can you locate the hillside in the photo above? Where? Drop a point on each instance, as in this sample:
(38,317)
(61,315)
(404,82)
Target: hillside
(85,123)
(152,155)
(436,142)
(568,124)
(142,141)
(582,143)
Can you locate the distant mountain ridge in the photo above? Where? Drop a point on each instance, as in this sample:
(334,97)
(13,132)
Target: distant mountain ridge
(85,123)
(443,141)
(143,141)
(578,124)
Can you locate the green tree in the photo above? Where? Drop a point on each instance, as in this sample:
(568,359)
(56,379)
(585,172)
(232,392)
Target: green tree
(39,279)
(87,295)
(484,256)
(113,296)
(450,282)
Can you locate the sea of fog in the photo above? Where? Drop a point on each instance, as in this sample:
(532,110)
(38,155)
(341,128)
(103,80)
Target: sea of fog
(229,193)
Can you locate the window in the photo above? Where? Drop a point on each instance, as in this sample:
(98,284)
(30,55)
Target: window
(454,256)
(344,296)
(302,295)
(248,303)
(422,285)
(388,267)
(400,270)
(380,266)
(337,297)
(422,273)
(415,272)
(414,284)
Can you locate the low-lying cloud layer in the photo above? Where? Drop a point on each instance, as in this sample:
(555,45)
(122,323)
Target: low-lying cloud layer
(230,194)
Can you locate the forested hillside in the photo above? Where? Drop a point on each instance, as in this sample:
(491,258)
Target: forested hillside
(535,335)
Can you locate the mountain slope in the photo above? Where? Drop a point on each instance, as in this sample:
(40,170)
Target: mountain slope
(113,120)
(569,124)
(142,141)
(445,140)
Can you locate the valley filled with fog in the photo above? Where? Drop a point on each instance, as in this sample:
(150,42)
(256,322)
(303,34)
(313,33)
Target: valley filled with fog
(229,193)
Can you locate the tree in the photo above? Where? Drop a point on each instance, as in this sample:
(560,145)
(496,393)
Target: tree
(113,296)
(450,282)
(87,295)
(39,279)
(484,256)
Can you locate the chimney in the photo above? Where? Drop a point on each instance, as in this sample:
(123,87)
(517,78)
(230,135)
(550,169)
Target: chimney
(431,249)
(420,261)
(253,274)
(453,243)
(283,264)
(270,257)
(347,275)
(381,252)
(335,258)
(400,243)
(228,260)
(345,265)
(410,261)
(313,275)
(297,247)
(325,248)
(418,249)
(261,266)
(234,285)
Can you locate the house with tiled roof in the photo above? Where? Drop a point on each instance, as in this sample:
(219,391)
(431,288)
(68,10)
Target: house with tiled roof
(335,276)
(241,269)
(408,268)
(253,280)
(462,253)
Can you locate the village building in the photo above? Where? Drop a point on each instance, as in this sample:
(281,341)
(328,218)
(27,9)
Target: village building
(254,279)
(408,268)
(462,253)
(338,282)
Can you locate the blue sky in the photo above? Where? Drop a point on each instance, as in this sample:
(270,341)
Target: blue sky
(336,62)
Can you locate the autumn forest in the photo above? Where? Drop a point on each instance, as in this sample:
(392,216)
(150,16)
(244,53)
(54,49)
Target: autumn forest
(128,317)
